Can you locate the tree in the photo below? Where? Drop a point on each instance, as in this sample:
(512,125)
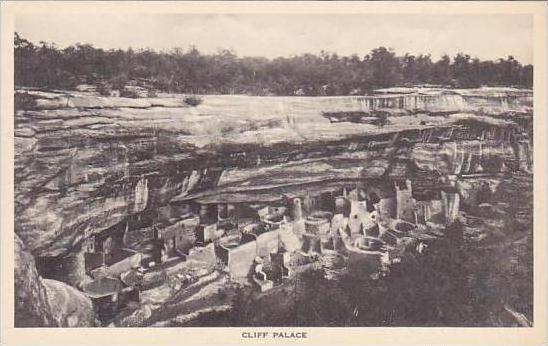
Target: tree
(410,71)
(190,71)
(442,73)
(463,72)
(385,66)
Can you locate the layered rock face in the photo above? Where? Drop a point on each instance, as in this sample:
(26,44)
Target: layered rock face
(84,163)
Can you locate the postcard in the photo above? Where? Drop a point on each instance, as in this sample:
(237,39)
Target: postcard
(232,173)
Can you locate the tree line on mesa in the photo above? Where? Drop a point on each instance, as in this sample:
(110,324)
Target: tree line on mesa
(45,65)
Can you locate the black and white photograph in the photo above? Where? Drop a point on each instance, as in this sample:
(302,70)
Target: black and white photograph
(285,170)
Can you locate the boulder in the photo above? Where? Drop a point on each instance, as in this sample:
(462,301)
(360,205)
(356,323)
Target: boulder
(32,307)
(69,306)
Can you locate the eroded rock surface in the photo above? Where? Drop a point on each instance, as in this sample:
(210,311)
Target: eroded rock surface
(43,302)
(81,160)
(69,306)
(84,163)
(32,308)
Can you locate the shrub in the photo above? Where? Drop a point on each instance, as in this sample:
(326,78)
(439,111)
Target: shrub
(221,292)
(104,90)
(227,129)
(125,92)
(193,100)
(383,118)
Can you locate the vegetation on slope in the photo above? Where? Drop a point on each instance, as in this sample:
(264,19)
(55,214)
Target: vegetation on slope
(47,66)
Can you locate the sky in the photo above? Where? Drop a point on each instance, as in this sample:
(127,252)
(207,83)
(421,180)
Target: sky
(487,37)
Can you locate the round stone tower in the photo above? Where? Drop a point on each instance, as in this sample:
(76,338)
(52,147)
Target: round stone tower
(297,210)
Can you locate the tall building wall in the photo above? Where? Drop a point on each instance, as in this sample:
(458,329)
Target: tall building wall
(297,210)
(387,208)
(405,202)
(405,206)
(267,242)
(240,260)
(451,205)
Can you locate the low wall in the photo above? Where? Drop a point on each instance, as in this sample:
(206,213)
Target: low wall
(222,253)
(240,260)
(94,260)
(185,235)
(267,242)
(311,243)
(131,262)
(436,212)
(289,239)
